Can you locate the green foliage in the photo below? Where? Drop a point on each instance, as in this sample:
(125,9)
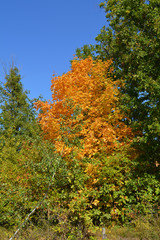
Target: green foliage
(24,178)
(100,190)
(17,115)
(17,125)
(24,163)
(132,41)
(86,51)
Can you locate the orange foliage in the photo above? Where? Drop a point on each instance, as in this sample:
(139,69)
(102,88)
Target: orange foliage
(90,86)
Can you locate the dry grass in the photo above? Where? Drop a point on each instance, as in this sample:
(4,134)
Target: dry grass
(146,228)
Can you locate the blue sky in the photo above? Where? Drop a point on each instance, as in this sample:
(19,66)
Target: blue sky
(41,37)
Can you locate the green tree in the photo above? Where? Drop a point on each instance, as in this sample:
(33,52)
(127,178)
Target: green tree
(18,127)
(27,162)
(17,115)
(133,41)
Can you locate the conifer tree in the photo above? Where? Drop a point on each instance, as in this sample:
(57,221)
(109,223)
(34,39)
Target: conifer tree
(17,115)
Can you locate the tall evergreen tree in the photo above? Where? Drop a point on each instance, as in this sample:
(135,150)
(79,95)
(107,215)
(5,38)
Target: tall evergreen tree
(17,115)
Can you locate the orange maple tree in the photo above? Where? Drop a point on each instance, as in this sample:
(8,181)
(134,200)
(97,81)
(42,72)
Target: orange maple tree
(89,85)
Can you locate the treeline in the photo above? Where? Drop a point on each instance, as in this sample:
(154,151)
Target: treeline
(99,136)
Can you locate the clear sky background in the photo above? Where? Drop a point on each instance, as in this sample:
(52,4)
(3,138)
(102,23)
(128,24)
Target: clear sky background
(41,36)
